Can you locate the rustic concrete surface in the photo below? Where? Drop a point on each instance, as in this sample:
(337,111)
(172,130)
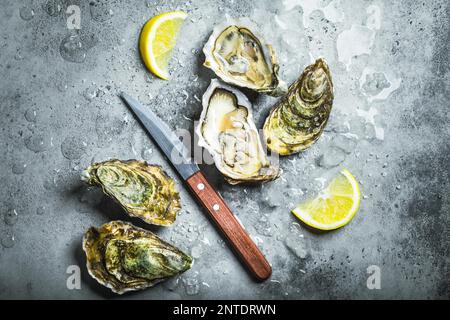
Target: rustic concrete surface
(57,116)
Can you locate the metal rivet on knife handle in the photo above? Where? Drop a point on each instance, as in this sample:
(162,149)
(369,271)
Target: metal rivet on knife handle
(238,238)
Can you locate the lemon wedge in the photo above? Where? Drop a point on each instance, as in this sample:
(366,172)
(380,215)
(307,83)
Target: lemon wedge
(335,206)
(157,40)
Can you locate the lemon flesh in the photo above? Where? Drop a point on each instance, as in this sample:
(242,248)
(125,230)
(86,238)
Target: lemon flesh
(157,40)
(335,206)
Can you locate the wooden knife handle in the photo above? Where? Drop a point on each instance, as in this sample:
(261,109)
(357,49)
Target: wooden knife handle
(216,207)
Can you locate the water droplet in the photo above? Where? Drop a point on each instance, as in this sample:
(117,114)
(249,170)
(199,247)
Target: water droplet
(40,210)
(73,148)
(26,13)
(90,93)
(19,167)
(100,10)
(8,240)
(10,217)
(18,56)
(52,7)
(93,92)
(62,86)
(147,153)
(148,78)
(72,49)
(37,143)
(31,115)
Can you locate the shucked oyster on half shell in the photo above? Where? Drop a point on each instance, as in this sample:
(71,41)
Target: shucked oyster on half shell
(299,119)
(226,129)
(240,57)
(144,191)
(125,258)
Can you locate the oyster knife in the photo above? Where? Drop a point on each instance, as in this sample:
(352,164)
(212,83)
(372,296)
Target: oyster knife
(205,194)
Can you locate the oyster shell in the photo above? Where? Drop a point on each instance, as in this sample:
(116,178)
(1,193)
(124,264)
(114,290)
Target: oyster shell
(144,191)
(241,57)
(227,131)
(125,258)
(298,120)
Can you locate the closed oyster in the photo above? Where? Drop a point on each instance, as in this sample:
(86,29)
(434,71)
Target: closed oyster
(241,57)
(125,258)
(298,120)
(144,191)
(227,131)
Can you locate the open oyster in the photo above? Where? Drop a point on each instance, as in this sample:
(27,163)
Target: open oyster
(298,120)
(227,131)
(240,57)
(144,191)
(125,258)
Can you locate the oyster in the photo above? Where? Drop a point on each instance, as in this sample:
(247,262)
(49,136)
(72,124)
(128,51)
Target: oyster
(227,131)
(144,191)
(298,120)
(240,57)
(124,258)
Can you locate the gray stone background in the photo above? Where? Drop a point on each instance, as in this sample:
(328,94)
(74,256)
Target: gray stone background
(389,127)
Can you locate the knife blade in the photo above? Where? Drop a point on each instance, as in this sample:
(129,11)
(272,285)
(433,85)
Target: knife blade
(166,139)
(206,195)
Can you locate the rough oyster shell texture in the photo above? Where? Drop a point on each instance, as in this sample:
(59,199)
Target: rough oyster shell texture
(299,119)
(125,258)
(144,191)
(240,56)
(226,129)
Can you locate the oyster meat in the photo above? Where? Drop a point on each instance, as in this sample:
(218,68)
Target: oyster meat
(241,57)
(125,258)
(144,191)
(227,131)
(298,120)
